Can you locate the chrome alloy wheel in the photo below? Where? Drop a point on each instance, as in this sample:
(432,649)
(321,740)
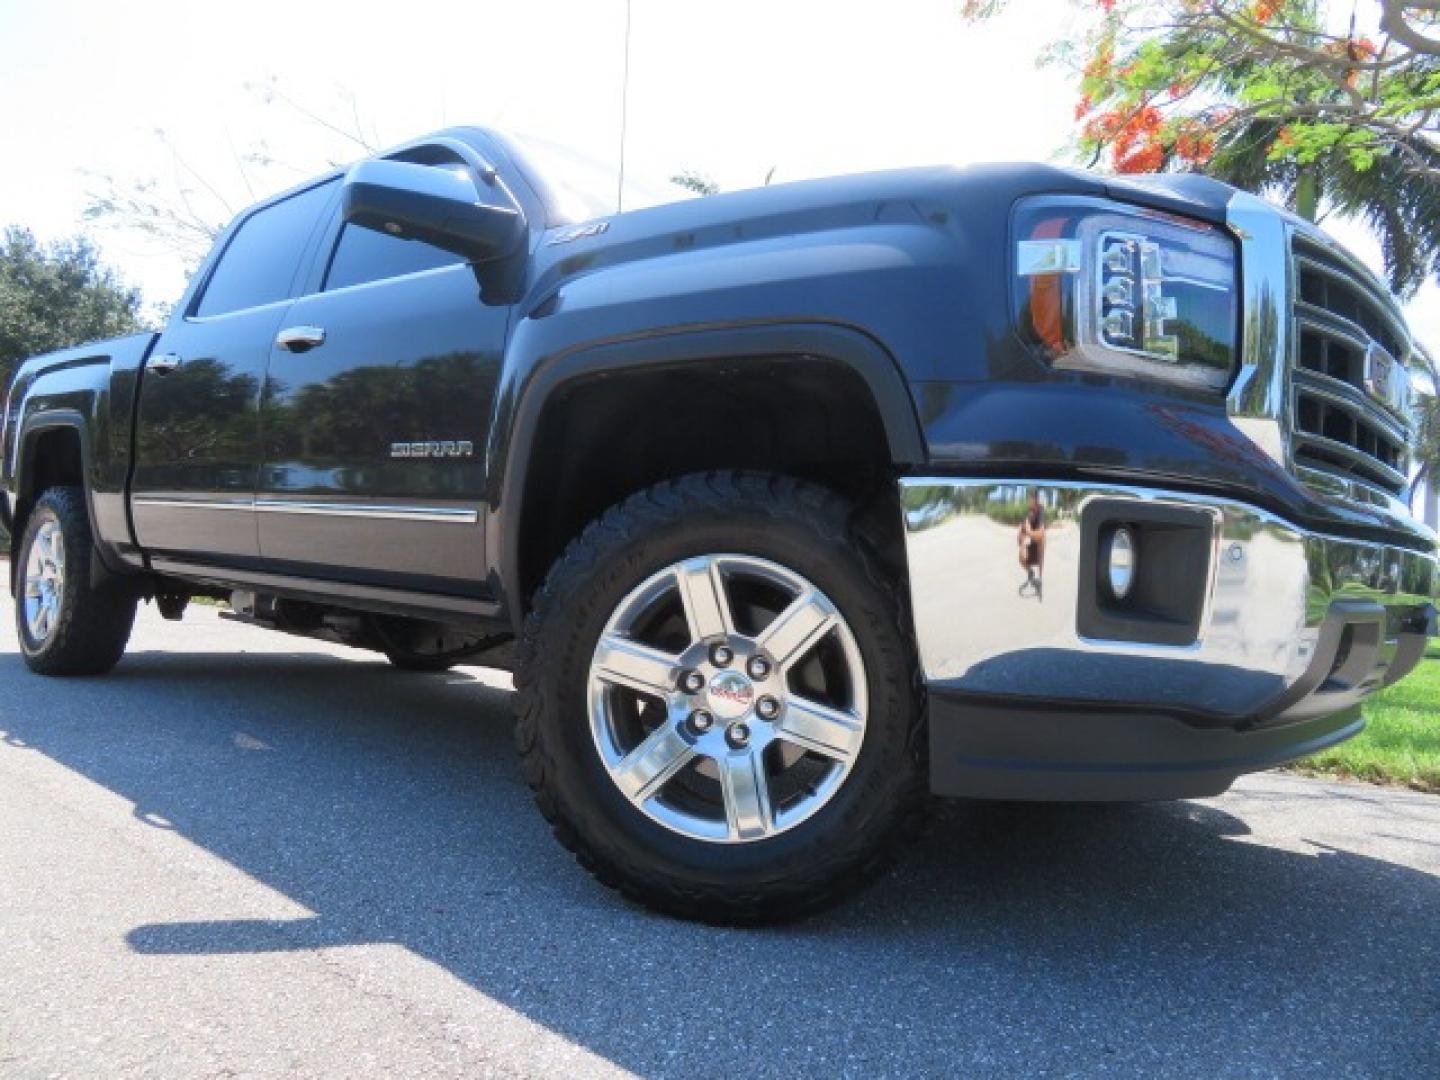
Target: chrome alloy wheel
(44,582)
(727,698)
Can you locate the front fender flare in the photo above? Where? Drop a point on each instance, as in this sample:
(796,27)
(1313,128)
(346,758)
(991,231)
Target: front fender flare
(512,443)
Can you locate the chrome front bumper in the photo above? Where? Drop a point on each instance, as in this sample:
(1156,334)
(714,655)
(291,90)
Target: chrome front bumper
(1294,630)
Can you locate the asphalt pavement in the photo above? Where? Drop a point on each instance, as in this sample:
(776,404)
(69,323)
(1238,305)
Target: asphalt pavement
(248,854)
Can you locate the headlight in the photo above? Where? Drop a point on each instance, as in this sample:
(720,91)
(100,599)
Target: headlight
(1105,288)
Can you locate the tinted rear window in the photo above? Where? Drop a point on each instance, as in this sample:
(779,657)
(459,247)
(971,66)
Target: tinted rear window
(260,261)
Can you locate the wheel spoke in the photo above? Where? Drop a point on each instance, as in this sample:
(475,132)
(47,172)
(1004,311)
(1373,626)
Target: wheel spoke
(798,628)
(702,590)
(647,768)
(42,621)
(833,733)
(747,795)
(57,552)
(626,662)
(32,585)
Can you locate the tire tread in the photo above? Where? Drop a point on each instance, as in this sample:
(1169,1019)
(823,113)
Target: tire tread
(95,622)
(886,817)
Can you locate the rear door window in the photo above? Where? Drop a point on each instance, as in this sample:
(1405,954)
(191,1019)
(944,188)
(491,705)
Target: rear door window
(258,265)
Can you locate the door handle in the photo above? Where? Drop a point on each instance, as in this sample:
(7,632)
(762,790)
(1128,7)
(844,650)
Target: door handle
(163,364)
(300,338)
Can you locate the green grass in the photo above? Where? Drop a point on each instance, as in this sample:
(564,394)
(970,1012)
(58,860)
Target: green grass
(1401,742)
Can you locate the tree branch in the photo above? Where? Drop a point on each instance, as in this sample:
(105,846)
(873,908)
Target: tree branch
(1394,23)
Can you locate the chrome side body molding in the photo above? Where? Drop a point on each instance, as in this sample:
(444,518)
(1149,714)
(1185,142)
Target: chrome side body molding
(446,515)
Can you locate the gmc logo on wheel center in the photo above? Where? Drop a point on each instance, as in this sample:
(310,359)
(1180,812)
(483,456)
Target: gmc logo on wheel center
(732,687)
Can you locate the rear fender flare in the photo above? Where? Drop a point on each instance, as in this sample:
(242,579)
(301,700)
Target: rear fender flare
(102,562)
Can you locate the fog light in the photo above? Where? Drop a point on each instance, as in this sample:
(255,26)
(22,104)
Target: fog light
(1120,562)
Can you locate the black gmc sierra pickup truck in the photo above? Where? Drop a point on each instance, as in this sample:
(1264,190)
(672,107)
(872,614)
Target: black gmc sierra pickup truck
(790,506)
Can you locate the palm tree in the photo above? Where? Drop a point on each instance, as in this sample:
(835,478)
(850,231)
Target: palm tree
(1427,452)
(1399,204)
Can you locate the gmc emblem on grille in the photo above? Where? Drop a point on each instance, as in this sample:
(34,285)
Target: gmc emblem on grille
(1386,380)
(445,448)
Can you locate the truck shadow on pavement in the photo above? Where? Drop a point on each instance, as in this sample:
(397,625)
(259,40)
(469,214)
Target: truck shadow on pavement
(1010,939)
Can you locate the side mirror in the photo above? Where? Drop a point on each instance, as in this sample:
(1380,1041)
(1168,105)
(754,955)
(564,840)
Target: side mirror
(436,206)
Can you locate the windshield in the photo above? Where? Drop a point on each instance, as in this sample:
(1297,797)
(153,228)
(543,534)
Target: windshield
(580,188)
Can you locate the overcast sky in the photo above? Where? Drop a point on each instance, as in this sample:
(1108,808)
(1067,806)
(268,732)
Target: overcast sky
(733,89)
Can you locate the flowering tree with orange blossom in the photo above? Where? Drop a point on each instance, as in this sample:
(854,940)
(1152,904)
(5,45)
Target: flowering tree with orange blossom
(1329,107)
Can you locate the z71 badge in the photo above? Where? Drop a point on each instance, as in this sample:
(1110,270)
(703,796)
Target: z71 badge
(445,448)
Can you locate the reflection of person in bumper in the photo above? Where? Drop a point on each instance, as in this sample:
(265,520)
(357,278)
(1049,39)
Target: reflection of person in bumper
(1031,538)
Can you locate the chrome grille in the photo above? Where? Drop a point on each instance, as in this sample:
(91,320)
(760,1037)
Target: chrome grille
(1342,433)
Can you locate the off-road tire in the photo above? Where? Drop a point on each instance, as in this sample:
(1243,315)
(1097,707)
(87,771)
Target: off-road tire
(94,621)
(850,839)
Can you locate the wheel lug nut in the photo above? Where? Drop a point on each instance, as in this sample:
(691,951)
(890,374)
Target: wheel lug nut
(721,655)
(692,682)
(759,667)
(768,708)
(701,721)
(737,735)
